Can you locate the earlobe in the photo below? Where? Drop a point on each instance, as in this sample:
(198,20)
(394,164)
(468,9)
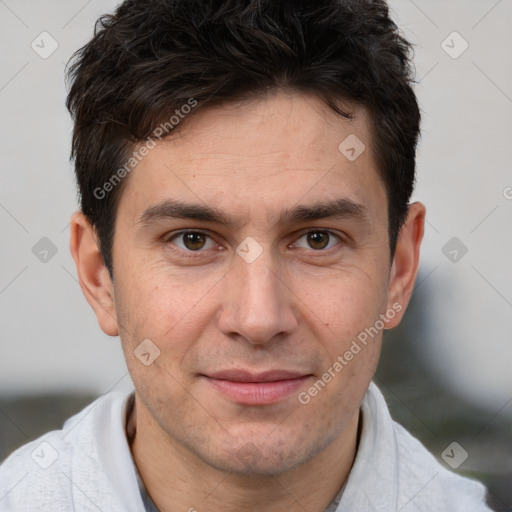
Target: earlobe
(406,261)
(92,274)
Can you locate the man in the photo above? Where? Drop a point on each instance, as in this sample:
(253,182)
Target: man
(245,169)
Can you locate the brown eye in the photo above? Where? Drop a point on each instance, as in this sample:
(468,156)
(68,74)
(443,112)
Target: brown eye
(318,240)
(191,241)
(194,241)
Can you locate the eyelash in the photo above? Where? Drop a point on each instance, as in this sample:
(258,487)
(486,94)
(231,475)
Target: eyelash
(194,254)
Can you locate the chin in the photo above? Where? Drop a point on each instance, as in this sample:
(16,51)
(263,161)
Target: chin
(247,463)
(258,456)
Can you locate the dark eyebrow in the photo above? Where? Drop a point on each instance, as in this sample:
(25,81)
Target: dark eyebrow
(338,208)
(174,209)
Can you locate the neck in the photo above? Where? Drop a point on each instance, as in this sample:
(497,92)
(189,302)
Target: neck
(177,480)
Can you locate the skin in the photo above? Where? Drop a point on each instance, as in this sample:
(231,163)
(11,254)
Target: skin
(298,306)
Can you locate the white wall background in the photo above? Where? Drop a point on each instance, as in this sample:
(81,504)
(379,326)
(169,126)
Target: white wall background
(49,336)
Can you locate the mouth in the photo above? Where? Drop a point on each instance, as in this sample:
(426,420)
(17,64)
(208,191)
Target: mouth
(249,388)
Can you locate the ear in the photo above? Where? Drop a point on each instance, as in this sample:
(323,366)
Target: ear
(406,262)
(92,274)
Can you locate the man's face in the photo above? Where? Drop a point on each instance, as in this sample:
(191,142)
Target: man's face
(226,303)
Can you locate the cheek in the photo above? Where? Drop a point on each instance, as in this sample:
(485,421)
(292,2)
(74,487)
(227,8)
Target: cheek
(157,302)
(342,307)
(344,315)
(172,319)
(171,311)
(350,331)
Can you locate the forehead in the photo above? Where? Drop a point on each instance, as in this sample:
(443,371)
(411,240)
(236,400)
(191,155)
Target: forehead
(260,157)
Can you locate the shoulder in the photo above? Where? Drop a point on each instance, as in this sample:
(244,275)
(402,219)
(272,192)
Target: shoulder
(46,474)
(422,482)
(392,470)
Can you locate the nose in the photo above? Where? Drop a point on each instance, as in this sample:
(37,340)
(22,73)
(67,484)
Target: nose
(258,305)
